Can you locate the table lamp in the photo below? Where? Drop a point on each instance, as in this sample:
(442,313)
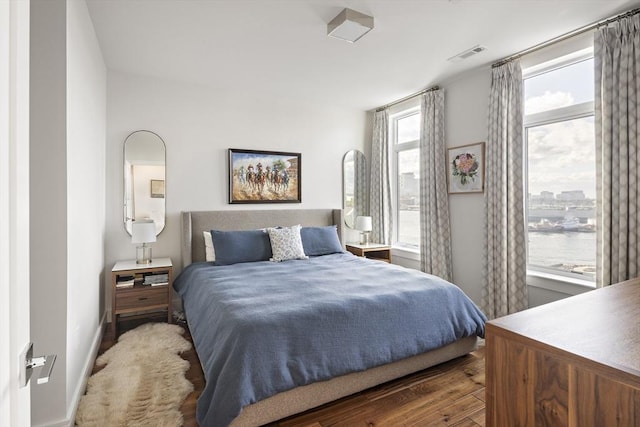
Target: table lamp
(143,232)
(363,223)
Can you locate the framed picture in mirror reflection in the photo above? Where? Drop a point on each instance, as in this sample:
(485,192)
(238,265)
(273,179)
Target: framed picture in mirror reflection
(157,188)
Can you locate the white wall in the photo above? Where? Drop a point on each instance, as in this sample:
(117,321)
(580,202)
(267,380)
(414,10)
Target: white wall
(86,133)
(68,122)
(466,109)
(198,125)
(466,106)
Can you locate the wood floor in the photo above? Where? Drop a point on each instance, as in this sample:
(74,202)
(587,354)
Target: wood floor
(450,394)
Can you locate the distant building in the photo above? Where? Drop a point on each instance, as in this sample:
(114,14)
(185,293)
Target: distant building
(546,195)
(545,198)
(571,195)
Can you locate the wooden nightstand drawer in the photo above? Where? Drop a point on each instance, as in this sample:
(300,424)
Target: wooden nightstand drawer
(141,297)
(133,293)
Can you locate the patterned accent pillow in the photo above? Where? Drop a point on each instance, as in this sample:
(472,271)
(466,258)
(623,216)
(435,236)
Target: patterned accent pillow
(286,243)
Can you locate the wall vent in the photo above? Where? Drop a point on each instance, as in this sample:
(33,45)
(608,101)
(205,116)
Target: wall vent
(467,53)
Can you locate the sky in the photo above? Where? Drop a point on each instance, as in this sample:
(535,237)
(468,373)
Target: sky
(246,159)
(561,155)
(562,87)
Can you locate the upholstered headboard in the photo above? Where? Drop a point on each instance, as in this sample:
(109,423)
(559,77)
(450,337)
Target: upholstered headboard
(194,223)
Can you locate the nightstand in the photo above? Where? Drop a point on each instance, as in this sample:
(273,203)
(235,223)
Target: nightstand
(375,251)
(140,288)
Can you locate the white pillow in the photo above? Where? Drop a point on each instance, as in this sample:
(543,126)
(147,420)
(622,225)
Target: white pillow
(209,253)
(286,243)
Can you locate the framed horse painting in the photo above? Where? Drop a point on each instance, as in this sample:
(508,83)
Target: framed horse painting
(257,176)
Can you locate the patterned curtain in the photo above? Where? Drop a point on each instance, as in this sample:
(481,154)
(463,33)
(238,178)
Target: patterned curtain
(504,288)
(435,231)
(360,186)
(380,201)
(617,95)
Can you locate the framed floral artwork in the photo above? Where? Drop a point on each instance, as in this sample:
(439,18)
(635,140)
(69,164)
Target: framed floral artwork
(465,165)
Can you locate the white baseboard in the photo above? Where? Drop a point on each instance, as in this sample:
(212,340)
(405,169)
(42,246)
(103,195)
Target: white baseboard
(69,421)
(86,373)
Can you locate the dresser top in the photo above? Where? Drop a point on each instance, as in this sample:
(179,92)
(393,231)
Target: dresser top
(602,325)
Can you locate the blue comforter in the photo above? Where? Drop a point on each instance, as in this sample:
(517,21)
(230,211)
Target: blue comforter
(261,328)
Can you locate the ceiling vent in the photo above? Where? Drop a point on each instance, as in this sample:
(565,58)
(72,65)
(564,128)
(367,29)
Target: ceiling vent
(467,53)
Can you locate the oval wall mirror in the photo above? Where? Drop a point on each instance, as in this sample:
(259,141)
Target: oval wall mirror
(355,194)
(144,179)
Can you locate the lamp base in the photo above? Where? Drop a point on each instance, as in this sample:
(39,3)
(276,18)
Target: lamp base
(364,238)
(143,254)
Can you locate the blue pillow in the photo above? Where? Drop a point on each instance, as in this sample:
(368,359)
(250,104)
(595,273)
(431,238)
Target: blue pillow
(320,240)
(233,247)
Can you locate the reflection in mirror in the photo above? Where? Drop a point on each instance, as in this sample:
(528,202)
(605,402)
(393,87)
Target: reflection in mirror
(144,179)
(355,193)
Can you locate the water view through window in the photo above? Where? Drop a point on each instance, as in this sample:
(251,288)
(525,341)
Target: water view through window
(561,208)
(561,173)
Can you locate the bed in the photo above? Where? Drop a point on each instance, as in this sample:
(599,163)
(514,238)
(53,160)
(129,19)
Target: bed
(278,338)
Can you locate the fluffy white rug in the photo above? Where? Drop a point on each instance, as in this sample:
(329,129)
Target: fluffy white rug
(143,382)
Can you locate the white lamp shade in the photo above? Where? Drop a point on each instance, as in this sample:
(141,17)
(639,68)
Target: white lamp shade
(143,231)
(363,223)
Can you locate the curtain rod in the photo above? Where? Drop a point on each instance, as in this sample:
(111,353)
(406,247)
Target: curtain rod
(406,98)
(566,36)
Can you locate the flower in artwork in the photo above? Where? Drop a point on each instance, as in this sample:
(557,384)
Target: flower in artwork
(465,167)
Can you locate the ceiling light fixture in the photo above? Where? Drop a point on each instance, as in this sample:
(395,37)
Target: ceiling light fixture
(350,25)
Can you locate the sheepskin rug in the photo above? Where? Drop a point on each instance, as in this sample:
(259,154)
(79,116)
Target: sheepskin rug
(143,382)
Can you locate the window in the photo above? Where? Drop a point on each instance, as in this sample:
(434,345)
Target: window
(561,166)
(405,139)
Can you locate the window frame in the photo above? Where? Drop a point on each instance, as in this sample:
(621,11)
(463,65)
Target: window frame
(395,149)
(558,115)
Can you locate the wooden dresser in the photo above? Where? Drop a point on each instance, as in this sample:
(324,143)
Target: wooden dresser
(574,362)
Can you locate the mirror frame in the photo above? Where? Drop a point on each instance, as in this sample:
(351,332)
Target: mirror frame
(161,194)
(362,193)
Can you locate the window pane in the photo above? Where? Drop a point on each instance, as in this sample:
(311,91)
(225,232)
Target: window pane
(408,128)
(562,199)
(409,197)
(558,88)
